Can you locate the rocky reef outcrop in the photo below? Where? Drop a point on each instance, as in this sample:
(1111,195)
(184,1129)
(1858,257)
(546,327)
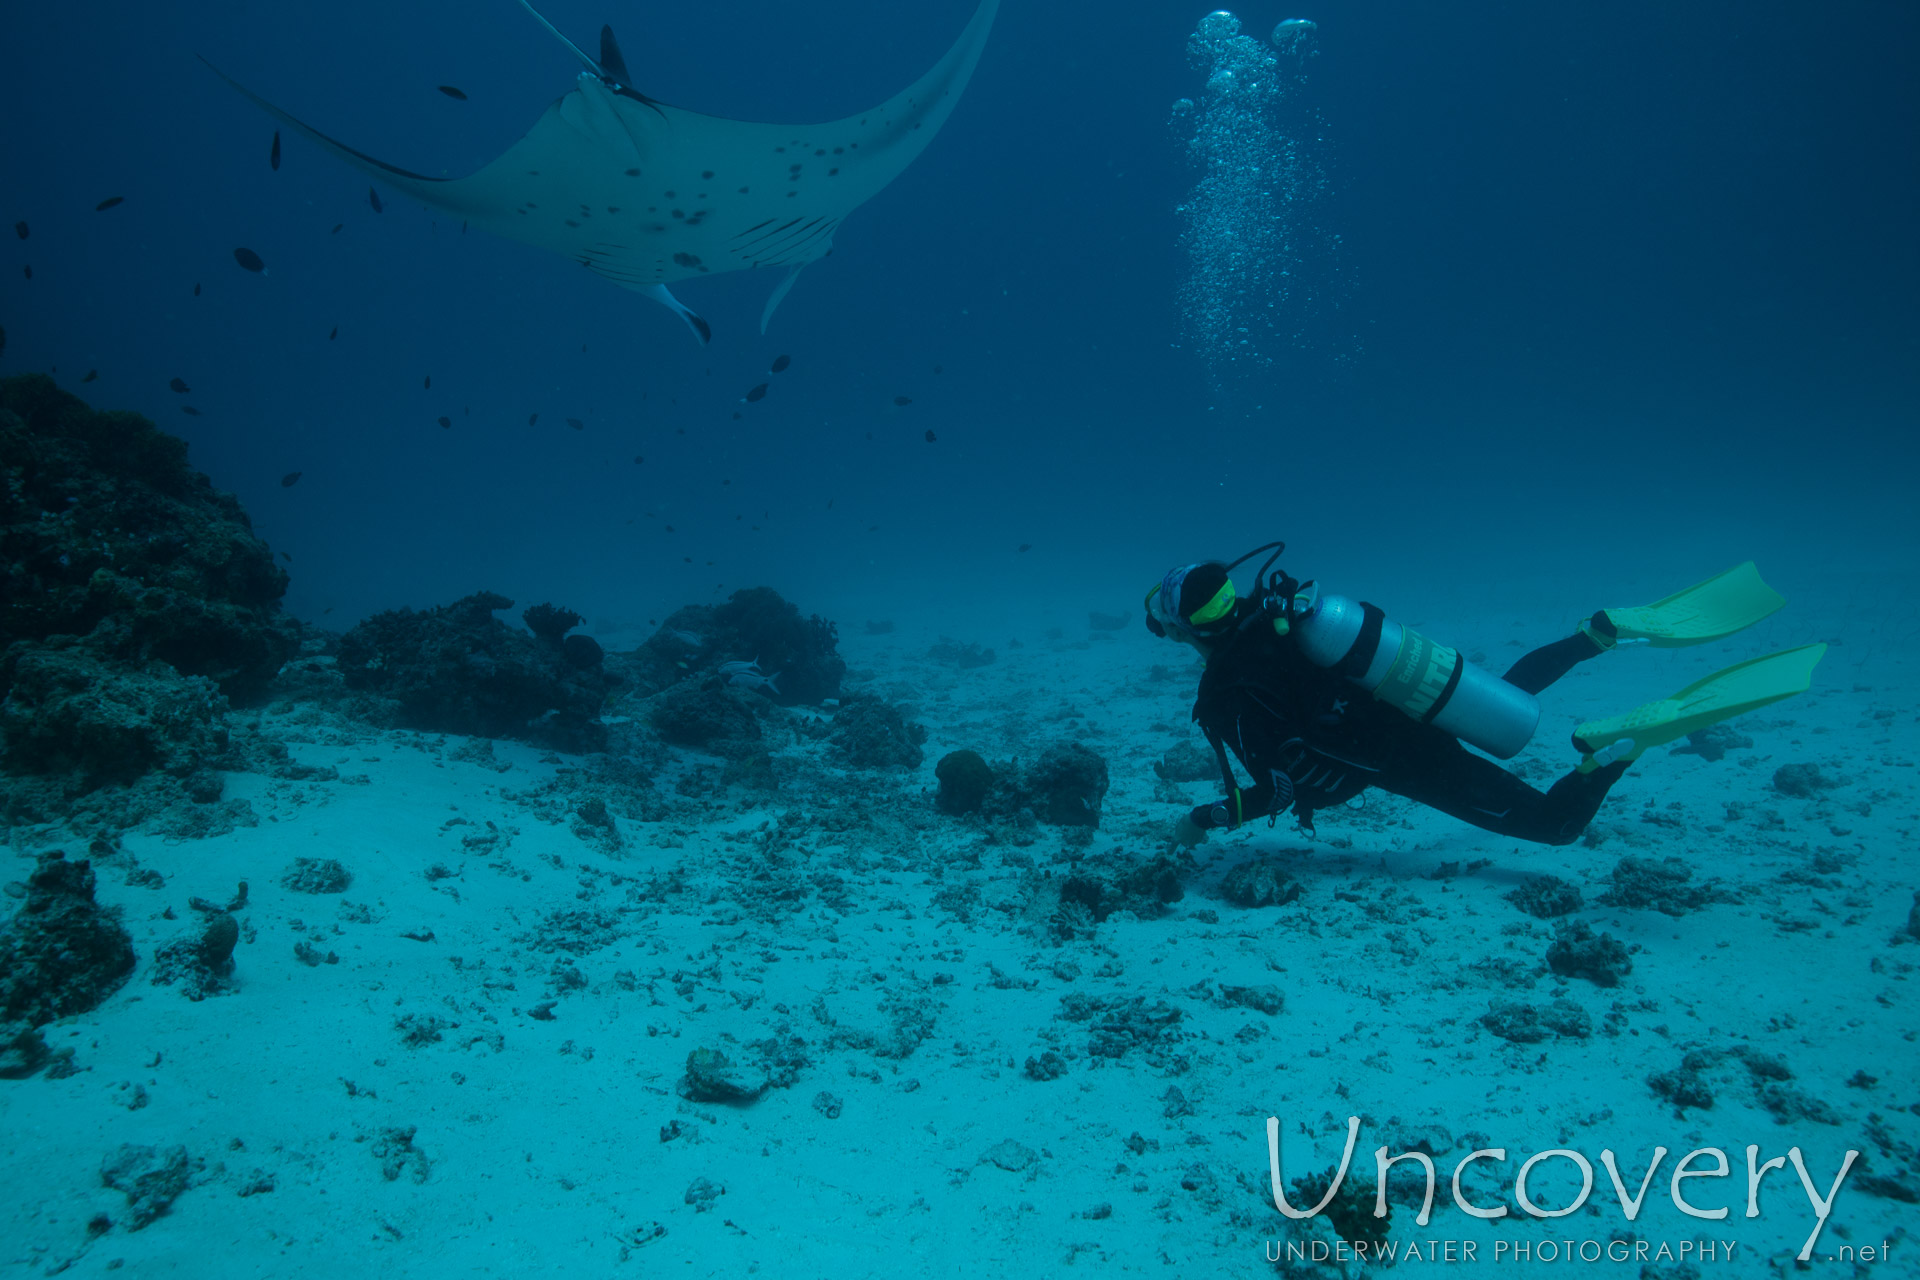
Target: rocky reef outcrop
(458,669)
(135,602)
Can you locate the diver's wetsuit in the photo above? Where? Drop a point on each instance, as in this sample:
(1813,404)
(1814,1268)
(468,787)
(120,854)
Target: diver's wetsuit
(1309,736)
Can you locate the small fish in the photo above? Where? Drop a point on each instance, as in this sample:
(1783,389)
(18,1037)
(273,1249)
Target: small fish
(692,639)
(532,418)
(248,259)
(179,385)
(286,557)
(189,410)
(29,271)
(428,384)
(938,369)
(669,528)
(333,333)
(91,375)
(758,393)
(336,228)
(453,93)
(446,423)
(291,479)
(780,364)
(373,198)
(1025,546)
(108,203)
(196,288)
(930,436)
(576,424)
(901,402)
(273,157)
(638,459)
(20,229)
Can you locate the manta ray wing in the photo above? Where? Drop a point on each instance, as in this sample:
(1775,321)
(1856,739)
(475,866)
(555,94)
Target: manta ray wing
(646,194)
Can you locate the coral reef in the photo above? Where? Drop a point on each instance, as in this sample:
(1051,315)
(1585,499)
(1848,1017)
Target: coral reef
(458,669)
(108,534)
(1063,786)
(754,625)
(1801,781)
(1713,742)
(874,734)
(1350,1212)
(200,961)
(1577,953)
(1665,886)
(151,1179)
(1187,763)
(966,657)
(713,719)
(1546,897)
(136,602)
(1259,882)
(965,779)
(316,875)
(62,953)
(1116,881)
(71,711)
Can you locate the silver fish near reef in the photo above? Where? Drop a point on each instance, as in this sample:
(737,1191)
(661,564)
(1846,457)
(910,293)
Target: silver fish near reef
(748,675)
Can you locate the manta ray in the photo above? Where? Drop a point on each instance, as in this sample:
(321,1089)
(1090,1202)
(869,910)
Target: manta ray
(647,194)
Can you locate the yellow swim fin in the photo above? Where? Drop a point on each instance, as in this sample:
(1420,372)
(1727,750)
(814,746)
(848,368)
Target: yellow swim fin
(1723,604)
(1723,695)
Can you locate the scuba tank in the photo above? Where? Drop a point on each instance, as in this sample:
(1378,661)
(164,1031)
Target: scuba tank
(1397,665)
(1410,673)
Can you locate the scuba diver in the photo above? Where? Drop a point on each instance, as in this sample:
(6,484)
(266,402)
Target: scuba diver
(1321,697)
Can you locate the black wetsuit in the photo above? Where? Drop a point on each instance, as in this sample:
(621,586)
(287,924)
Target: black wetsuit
(1313,739)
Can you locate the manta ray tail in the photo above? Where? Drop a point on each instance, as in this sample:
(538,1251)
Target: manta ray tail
(701,329)
(415,184)
(779,292)
(606,39)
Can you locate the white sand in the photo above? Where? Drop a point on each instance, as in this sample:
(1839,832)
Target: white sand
(547,1154)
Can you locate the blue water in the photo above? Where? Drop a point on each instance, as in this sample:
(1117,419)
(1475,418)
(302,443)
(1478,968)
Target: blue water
(1624,296)
(1655,269)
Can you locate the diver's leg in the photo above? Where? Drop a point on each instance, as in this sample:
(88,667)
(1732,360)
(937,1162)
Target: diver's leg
(1548,663)
(1441,774)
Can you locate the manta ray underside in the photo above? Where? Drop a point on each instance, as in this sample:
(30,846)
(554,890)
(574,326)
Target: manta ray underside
(645,193)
